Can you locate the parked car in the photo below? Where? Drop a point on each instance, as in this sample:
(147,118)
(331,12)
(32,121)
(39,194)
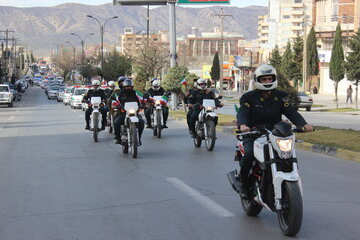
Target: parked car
(60,94)
(6,97)
(67,95)
(76,98)
(305,101)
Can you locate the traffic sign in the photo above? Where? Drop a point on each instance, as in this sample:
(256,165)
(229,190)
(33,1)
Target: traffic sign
(203,1)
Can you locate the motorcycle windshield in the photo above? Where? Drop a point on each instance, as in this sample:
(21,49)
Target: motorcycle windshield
(208,103)
(95,100)
(131,105)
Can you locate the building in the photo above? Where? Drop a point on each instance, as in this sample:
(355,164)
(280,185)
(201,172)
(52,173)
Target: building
(328,13)
(283,23)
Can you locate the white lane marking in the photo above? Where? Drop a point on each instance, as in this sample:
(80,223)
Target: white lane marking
(1,128)
(11,118)
(17,111)
(202,199)
(81,115)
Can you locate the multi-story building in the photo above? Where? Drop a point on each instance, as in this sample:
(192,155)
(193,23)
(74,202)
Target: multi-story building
(282,24)
(328,14)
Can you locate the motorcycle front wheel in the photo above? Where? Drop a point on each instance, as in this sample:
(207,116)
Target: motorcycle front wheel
(290,216)
(134,140)
(158,127)
(211,135)
(95,127)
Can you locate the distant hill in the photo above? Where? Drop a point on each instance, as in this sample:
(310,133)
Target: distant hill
(40,28)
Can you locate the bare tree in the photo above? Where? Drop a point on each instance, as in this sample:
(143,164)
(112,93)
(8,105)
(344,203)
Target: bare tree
(64,61)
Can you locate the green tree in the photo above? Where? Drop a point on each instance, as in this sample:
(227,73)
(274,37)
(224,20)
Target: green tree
(336,68)
(172,80)
(298,49)
(215,68)
(88,71)
(352,64)
(312,63)
(287,63)
(275,59)
(116,65)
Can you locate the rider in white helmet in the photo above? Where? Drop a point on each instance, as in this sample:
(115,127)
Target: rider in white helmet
(196,99)
(96,91)
(155,90)
(263,106)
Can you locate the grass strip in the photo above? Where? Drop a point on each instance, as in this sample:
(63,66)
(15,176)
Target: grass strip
(346,139)
(338,110)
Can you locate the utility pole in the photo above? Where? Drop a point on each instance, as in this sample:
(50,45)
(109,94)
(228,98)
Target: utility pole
(221,47)
(305,20)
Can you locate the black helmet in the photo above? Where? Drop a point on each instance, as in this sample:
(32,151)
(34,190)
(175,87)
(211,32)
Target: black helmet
(128,83)
(122,78)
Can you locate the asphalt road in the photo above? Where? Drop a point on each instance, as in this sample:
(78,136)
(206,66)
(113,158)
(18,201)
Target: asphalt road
(57,184)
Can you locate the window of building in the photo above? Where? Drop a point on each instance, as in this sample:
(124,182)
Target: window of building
(286,16)
(298,1)
(138,39)
(286,9)
(129,39)
(155,39)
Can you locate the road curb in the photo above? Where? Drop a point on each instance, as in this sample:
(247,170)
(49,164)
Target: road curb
(317,148)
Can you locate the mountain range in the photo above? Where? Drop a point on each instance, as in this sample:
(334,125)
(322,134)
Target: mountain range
(41,28)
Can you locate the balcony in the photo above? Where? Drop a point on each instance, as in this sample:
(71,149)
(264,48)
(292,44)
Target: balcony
(298,12)
(297,20)
(296,28)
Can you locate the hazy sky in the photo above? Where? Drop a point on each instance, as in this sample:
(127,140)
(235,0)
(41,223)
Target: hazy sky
(47,3)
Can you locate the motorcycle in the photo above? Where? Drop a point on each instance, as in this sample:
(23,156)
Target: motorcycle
(157,119)
(110,122)
(95,117)
(205,125)
(274,181)
(129,131)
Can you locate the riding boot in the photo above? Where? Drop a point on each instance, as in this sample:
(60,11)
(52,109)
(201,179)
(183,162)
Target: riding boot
(87,127)
(103,124)
(244,188)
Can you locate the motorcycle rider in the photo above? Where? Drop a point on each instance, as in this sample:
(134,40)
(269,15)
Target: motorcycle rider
(110,89)
(263,106)
(96,91)
(121,79)
(155,90)
(197,98)
(187,94)
(128,94)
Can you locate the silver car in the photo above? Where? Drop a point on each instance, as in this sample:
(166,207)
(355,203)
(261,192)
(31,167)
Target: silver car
(305,101)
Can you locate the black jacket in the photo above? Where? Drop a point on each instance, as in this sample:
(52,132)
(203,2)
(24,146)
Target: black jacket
(108,92)
(255,110)
(93,93)
(198,96)
(128,96)
(151,93)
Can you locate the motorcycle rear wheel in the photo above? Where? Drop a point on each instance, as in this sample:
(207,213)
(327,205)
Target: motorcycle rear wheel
(290,217)
(211,135)
(249,205)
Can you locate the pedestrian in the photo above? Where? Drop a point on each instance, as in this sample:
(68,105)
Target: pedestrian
(315,90)
(13,79)
(349,92)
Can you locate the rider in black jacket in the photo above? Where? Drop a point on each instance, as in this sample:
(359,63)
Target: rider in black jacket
(128,94)
(155,90)
(95,92)
(195,101)
(263,106)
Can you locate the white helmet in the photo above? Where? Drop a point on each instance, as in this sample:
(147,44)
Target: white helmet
(95,84)
(156,85)
(111,84)
(265,70)
(201,84)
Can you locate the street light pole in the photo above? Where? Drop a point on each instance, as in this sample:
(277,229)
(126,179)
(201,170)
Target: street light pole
(82,41)
(102,31)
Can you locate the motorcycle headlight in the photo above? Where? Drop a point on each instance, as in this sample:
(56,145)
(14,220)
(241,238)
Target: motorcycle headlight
(132,111)
(285,145)
(209,109)
(157,102)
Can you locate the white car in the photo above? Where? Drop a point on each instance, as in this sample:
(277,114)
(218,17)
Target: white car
(76,98)
(67,95)
(53,91)
(60,94)
(6,97)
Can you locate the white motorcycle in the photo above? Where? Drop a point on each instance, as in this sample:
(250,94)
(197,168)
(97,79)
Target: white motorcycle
(205,127)
(274,180)
(157,119)
(95,117)
(129,131)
